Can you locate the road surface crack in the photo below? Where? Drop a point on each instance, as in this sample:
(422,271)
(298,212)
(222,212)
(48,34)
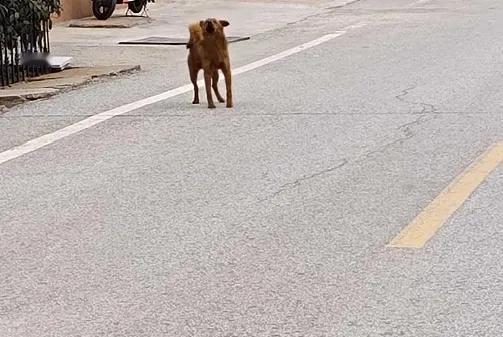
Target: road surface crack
(406,130)
(425,107)
(303,179)
(323,11)
(405,92)
(343,5)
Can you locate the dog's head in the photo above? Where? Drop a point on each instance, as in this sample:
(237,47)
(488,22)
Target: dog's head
(212,26)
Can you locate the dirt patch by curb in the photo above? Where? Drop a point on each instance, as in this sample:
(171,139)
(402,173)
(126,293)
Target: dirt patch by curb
(113,22)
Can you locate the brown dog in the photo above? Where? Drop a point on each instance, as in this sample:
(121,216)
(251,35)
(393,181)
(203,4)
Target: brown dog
(208,51)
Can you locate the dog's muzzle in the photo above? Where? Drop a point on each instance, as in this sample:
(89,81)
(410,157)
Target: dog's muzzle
(209,27)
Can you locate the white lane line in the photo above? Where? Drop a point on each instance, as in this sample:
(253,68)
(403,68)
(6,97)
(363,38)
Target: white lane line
(50,138)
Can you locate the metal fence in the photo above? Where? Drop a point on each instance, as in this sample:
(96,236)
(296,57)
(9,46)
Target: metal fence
(24,55)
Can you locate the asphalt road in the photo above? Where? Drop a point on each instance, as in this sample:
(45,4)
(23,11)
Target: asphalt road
(273,218)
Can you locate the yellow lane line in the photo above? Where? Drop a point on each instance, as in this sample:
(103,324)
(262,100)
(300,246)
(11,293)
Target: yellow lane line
(429,221)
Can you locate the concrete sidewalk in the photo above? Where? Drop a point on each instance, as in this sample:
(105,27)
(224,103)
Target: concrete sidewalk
(171,18)
(99,46)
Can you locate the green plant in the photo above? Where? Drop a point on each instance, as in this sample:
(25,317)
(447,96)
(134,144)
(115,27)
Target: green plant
(20,18)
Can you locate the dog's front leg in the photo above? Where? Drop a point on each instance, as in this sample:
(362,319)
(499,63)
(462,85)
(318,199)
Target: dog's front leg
(193,79)
(207,83)
(228,85)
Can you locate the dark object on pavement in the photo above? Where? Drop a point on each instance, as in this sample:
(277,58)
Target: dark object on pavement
(174,41)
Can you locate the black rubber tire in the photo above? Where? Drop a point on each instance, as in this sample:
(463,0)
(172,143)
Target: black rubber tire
(136,6)
(103,9)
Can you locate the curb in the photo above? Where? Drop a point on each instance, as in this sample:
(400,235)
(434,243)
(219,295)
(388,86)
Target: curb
(46,86)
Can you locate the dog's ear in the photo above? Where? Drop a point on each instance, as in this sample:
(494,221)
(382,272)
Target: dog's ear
(201,23)
(224,23)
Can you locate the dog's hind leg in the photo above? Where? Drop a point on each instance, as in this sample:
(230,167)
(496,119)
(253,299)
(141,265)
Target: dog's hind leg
(215,86)
(228,85)
(207,82)
(193,79)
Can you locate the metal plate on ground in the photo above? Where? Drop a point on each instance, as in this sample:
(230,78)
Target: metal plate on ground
(175,41)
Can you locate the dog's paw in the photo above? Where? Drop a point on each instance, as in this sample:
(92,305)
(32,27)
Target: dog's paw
(229,105)
(195,102)
(211,106)
(221,100)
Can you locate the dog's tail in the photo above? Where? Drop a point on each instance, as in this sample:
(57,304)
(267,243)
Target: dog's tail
(196,34)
